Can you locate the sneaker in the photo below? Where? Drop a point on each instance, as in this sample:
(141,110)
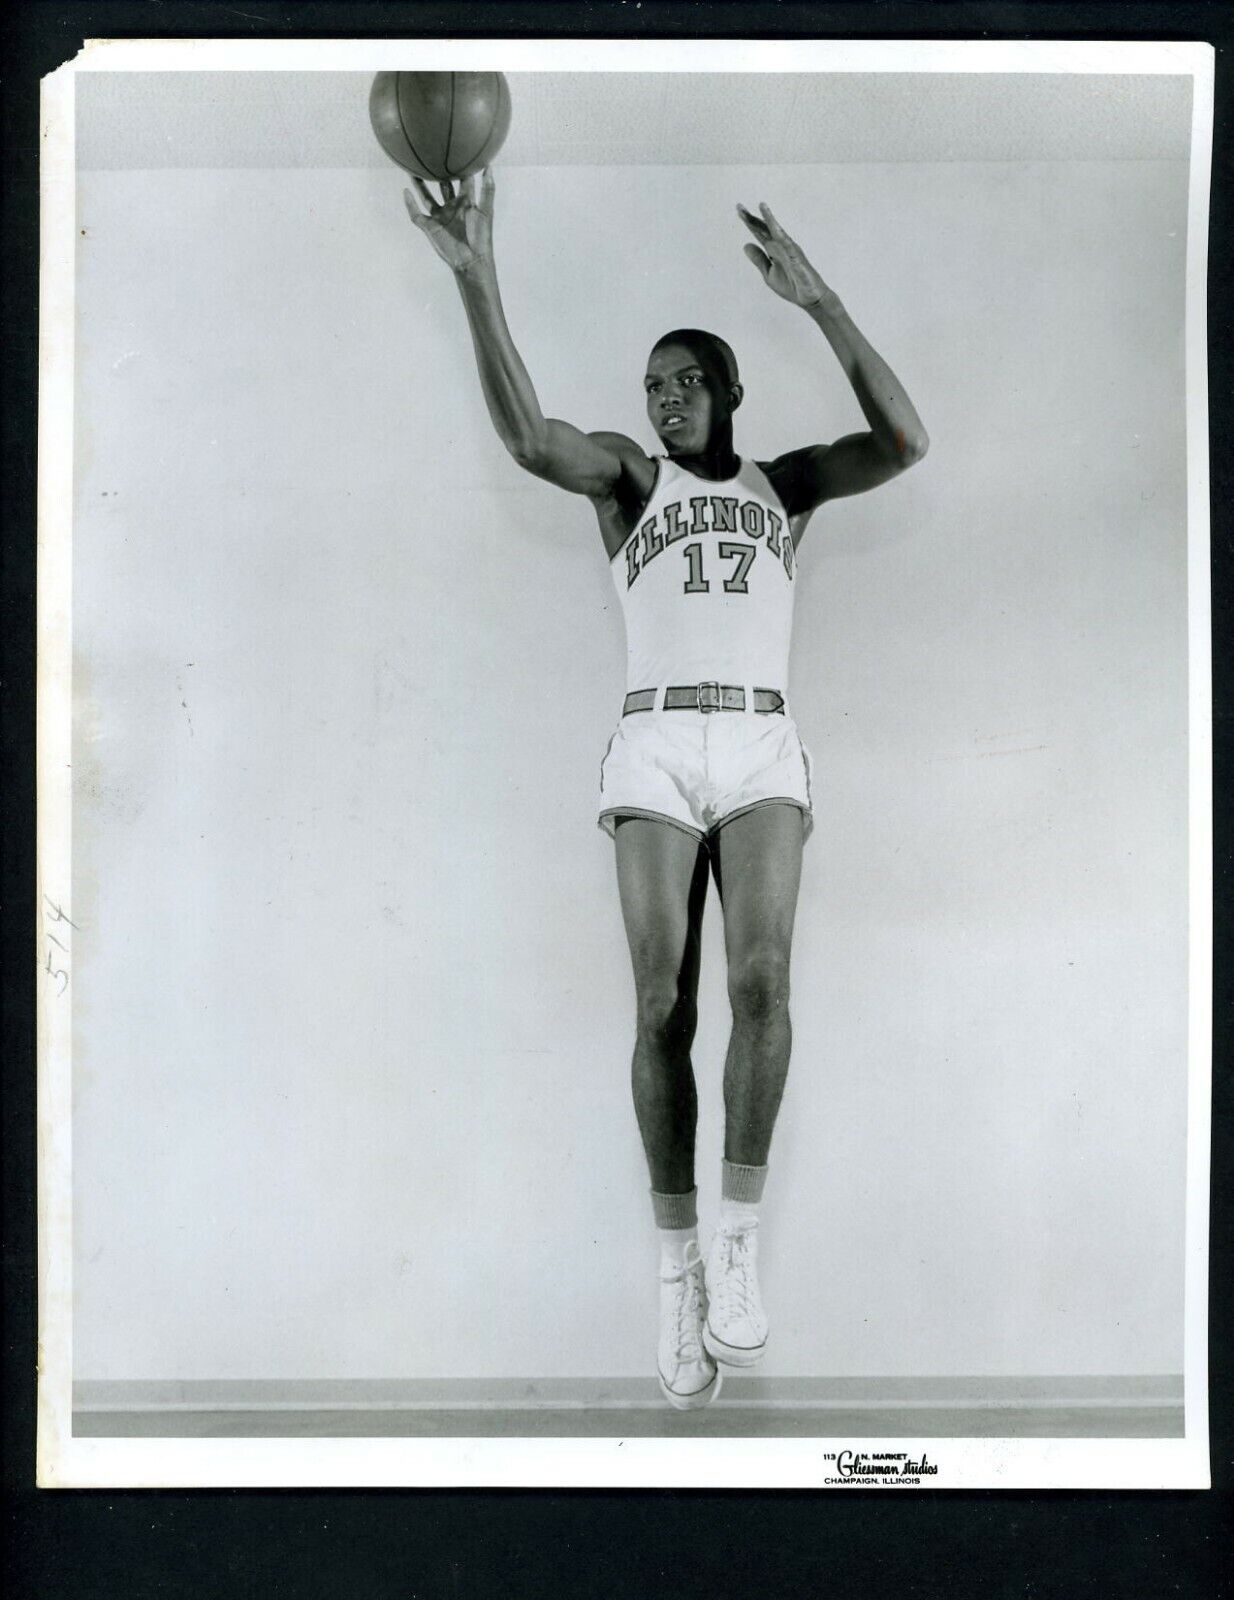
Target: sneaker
(688,1375)
(736,1328)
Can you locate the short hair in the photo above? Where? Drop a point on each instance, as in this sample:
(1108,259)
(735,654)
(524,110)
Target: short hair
(711,352)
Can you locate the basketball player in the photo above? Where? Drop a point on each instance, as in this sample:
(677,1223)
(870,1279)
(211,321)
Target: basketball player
(705,773)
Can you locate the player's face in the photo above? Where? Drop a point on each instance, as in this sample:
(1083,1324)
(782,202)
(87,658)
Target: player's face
(684,400)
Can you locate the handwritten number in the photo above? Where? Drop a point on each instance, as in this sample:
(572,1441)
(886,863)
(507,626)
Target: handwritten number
(56,913)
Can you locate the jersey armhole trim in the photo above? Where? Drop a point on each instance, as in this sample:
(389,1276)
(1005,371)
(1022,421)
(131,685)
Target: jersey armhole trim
(657,461)
(779,498)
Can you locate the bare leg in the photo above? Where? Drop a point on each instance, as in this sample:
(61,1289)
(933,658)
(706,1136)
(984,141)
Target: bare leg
(758,870)
(662,878)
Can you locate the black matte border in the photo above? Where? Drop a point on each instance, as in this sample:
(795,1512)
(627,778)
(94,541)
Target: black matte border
(636,1545)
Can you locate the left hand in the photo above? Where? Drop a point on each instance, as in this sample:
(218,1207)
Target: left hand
(783,263)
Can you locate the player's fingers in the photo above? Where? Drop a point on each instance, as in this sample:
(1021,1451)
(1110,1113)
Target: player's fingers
(754,254)
(421,188)
(773,226)
(425,223)
(488,189)
(447,191)
(756,225)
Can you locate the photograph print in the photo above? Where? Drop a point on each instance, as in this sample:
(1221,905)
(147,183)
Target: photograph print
(628,685)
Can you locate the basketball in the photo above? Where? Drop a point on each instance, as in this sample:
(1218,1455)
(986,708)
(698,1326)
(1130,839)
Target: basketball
(440,124)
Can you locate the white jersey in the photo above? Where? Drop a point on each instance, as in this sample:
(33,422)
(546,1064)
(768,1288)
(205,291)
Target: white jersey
(706,582)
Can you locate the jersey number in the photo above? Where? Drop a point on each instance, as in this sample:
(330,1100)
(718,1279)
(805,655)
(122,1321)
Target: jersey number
(743,554)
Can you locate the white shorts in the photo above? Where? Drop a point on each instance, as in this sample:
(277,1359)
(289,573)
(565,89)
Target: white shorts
(700,769)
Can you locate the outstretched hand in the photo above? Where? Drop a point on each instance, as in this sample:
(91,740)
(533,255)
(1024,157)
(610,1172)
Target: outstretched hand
(783,263)
(459,226)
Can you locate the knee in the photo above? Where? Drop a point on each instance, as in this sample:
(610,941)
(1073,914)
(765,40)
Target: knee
(666,1016)
(758,984)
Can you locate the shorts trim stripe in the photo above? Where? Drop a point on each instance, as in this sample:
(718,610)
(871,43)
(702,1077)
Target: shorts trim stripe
(605,757)
(608,820)
(771,800)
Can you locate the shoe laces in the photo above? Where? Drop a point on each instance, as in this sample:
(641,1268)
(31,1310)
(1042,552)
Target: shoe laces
(687,1310)
(736,1287)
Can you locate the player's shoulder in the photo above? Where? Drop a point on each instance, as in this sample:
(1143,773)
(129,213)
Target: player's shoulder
(791,474)
(637,467)
(621,444)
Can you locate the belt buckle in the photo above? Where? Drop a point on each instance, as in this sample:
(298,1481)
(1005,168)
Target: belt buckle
(709,695)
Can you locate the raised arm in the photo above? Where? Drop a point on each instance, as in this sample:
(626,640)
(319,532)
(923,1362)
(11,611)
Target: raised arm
(460,229)
(859,461)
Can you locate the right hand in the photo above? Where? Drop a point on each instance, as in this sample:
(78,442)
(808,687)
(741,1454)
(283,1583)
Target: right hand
(459,226)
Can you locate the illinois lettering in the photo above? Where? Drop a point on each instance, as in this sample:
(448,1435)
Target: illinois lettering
(710,513)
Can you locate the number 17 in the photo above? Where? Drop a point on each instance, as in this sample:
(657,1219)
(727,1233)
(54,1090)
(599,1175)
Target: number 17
(743,554)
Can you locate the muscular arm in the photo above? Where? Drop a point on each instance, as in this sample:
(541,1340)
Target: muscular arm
(460,229)
(557,451)
(896,438)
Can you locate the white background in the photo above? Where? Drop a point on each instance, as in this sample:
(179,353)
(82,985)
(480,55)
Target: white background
(352,1007)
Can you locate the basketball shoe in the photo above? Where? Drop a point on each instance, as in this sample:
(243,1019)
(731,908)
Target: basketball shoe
(689,1377)
(736,1327)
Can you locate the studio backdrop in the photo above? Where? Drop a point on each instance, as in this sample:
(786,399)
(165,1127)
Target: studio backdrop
(353,1008)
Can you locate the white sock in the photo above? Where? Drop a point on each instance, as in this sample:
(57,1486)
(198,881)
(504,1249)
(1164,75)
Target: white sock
(673,1243)
(741,1190)
(733,1213)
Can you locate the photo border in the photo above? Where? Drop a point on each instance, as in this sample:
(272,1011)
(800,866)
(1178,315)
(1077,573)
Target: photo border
(1006,1463)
